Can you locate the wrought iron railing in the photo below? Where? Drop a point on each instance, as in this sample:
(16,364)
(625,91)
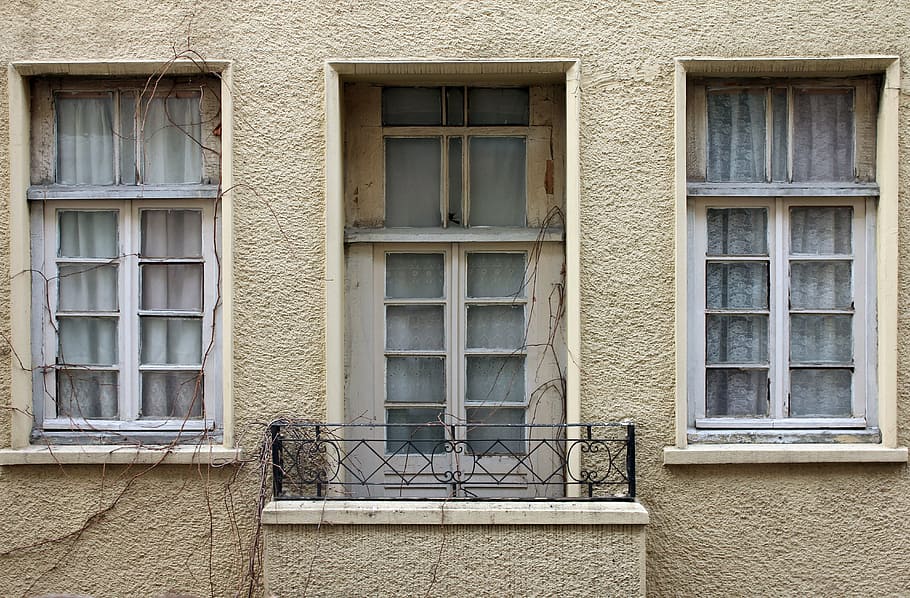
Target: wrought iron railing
(467,461)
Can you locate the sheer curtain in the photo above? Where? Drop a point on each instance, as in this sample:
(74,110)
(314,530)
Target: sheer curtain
(821,285)
(85,141)
(823,135)
(171,136)
(736,136)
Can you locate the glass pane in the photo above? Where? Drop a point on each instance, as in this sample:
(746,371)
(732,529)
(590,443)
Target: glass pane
(736,135)
(737,339)
(88,395)
(171,341)
(737,231)
(495,327)
(821,339)
(85,140)
(496,275)
(127,138)
(779,133)
(494,379)
(736,393)
(171,150)
(418,431)
(87,341)
(823,135)
(821,231)
(455,106)
(740,285)
(415,380)
(172,395)
(172,286)
(87,287)
(506,438)
(415,327)
(497,181)
(456,181)
(87,233)
(821,393)
(171,233)
(411,106)
(821,285)
(413,181)
(498,106)
(414,275)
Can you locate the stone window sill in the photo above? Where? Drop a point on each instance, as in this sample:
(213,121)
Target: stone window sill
(441,512)
(121,455)
(711,454)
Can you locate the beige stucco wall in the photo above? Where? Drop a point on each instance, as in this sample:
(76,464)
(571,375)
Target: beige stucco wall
(454,560)
(721,530)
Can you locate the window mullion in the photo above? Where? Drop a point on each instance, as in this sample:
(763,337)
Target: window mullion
(780,312)
(456,322)
(129,309)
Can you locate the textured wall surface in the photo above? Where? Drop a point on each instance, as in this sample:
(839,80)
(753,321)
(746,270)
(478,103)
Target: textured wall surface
(721,530)
(454,560)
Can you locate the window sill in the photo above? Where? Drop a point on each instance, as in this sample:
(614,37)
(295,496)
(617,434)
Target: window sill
(715,454)
(440,512)
(121,455)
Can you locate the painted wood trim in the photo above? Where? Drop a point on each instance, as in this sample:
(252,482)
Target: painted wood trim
(120,192)
(781,190)
(451,235)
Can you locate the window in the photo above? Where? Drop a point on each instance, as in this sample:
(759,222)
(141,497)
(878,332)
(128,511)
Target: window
(454,277)
(125,236)
(782,286)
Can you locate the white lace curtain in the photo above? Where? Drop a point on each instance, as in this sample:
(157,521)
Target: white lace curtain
(170,150)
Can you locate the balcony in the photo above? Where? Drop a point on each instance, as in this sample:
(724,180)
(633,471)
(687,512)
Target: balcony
(591,461)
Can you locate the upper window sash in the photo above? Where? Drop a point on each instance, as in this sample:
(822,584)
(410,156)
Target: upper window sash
(781,133)
(109,138)
(125,137)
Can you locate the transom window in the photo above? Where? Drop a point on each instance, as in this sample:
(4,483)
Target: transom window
(461,169)
(127,137)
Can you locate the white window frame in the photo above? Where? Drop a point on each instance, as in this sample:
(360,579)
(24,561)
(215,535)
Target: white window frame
(728,446)
(862,259)
(45,224)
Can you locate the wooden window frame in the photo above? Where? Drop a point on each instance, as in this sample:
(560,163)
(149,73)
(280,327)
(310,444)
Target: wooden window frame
(69,429)
(864,333)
